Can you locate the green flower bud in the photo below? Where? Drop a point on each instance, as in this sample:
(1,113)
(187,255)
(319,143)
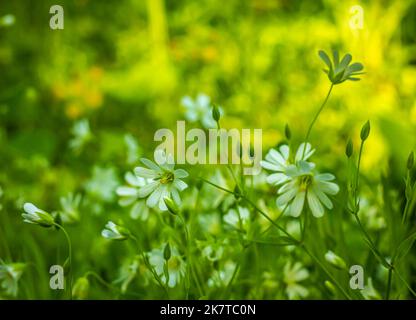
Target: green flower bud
(216,113)
(330,287)
(288,133)
(349,148)
(365,131)
(410,161)
(171,205)
(81,288)
(335,260)
(167,252)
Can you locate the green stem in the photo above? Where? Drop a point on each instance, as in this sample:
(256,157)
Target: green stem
(295,241)
(150,267)
(68,239)
(316,118)
(389,283)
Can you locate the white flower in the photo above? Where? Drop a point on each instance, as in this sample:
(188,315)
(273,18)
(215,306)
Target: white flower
(200,109)
(237,218)
(37,216)
(113,231)
(299,181)
(129,195)
(9,277)
(292,275)
(279,161)
(70,208)
(164,181)
(82,135)
(307,185)
(176,266)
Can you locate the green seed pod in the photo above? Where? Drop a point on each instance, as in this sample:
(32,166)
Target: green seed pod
(171,205)
(167,252)
(365,131)
(216,113)
(288,133)
(349,149)
(410,161)
(81,288)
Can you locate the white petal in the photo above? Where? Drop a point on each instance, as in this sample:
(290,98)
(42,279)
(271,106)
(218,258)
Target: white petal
(175,196)
(277,178)
(271,166)
(147,189)
(126,191)
(179,184)
(297,204)
(325,177)
(150,164)
(306,151)
(285,151)
(30,208)
(286,197)
(327,187)
(155,196)
(145,173)
(180,173)
(203,100)
(314,204)
(323,198)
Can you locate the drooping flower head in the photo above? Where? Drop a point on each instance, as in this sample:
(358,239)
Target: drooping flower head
(163,180)
(34,215)
(113,231)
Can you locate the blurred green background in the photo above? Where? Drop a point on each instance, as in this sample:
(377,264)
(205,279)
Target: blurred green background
(125,65)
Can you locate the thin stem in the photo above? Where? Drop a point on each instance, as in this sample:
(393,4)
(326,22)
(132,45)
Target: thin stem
(316,118)
(150,267)
(296,242)
(389,283)
(68,239)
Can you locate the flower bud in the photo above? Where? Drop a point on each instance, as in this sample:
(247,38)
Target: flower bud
(167,252)
(37,216)
(81,288)
(349,148)
(171,205)
(365,131)
(115,232)
(288,133)
(216,115)
(335,260)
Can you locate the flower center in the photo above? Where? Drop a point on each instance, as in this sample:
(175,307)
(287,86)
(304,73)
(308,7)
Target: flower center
(305,181)
(173,263)
(167,177)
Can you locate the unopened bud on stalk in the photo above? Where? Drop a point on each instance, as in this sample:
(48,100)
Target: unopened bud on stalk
(330,287)
(365,131)
(167,252)
(216,113)
(171,205)
(335,261)
(349,148)
(288,133)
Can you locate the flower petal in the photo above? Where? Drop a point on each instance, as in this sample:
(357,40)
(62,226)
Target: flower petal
(314,204)
(297,204)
